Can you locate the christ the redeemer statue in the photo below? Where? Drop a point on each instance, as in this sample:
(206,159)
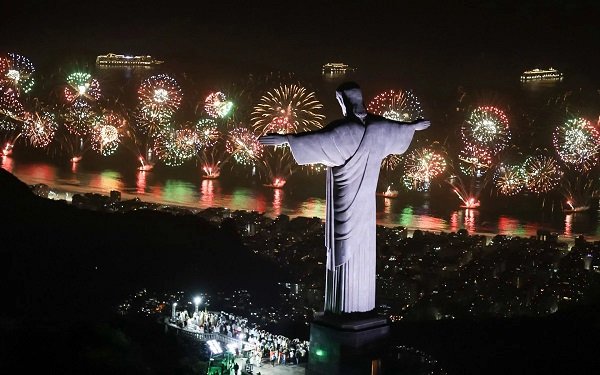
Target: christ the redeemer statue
(352,148)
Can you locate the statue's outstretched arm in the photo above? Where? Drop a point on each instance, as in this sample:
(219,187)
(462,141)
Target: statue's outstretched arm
(421,124)
(273,139)
(396,136)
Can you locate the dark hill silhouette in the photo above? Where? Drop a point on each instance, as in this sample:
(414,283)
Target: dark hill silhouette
(82,263)
(64,270)
(13,187)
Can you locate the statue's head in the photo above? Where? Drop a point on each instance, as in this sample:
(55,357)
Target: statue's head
(350,98)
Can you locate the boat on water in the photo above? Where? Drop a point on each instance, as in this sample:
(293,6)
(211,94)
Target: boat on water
(541,75)
(277,183)
(576,209)
(471,204)
(336,70)
(211,172)
(126,60)
(389,193)
(145,167)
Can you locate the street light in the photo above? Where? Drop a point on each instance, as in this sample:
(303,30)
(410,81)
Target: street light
(197,301)
(173,311)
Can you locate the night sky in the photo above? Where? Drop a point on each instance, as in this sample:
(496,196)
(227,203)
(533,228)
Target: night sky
(302,35)
(430,46)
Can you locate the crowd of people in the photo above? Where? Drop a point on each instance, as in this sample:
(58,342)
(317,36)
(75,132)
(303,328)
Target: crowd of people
(264,346)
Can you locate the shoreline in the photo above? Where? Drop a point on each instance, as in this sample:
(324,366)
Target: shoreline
(61,194)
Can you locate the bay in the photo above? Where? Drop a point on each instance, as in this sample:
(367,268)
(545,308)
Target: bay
(192,191)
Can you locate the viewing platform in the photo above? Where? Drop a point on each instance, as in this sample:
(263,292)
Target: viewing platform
(264,367)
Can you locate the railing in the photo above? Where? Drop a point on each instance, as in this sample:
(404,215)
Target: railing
(212,336)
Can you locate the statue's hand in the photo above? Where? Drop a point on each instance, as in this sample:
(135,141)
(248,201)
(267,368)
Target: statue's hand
(272,140)
(421,124)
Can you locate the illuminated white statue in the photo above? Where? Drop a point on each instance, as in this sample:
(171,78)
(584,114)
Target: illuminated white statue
(352,148)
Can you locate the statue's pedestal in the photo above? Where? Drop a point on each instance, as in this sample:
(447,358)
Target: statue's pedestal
(347,345)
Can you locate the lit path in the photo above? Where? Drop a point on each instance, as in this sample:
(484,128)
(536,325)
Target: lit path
(265,369)
(268,369)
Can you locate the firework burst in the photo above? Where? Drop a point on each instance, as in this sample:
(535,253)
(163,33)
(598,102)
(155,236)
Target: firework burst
(81,85)
(510,179)
(474,161)
(4,64)
(487,128)
(542,174)
(577,142)
(79,118)
(277,165)
(152,126)
(39,128)
(578,189)
(160,96)
(17,71)
(106,133)
(421,166)
(175,147)
(391,162)
(207,133)
(469,192)
(287,109)
(210,147)
(243,146)
(397,105)
(11,109)
(216,105)
(211,160)
(312,169)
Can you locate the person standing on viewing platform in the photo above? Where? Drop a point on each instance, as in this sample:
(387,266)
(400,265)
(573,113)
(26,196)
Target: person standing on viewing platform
(258,359)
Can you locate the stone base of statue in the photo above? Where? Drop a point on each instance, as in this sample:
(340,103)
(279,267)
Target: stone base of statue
(347,344)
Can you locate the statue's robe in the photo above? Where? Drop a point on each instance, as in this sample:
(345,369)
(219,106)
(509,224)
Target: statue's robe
(352,151)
